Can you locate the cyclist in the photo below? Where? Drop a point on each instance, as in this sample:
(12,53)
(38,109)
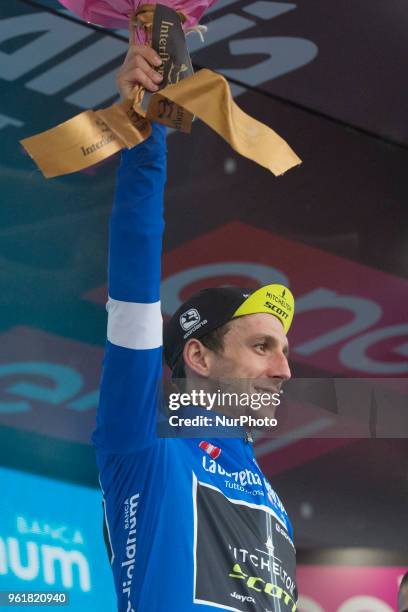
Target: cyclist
(191,523)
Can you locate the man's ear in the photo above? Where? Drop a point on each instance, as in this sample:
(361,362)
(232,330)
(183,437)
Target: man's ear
(197,357)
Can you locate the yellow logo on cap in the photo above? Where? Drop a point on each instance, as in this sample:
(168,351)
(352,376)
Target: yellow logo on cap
(273,299)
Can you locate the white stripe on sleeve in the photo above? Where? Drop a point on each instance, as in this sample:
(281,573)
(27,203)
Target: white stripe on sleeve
(133,325)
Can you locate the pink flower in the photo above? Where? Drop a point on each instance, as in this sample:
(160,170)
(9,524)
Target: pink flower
(116,13)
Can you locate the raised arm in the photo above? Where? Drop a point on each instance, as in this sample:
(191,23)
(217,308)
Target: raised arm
(126,418)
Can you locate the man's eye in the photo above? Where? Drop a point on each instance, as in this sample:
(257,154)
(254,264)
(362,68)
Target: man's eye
(261,346)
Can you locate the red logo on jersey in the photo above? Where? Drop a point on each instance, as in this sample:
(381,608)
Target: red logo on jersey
(210,449)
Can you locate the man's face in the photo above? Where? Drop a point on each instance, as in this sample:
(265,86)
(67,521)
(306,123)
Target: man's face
(256,352)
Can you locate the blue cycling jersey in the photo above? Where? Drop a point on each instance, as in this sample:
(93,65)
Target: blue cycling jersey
(192,524)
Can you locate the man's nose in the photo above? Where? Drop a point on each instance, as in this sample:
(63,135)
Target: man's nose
(278,367)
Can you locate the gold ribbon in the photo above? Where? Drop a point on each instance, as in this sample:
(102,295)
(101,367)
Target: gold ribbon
(87,139)
(208,96)
(92,136)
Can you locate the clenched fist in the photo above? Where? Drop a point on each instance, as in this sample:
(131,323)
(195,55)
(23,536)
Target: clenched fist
(138,69)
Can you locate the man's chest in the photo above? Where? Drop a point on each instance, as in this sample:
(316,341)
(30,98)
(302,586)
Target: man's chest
(244,557)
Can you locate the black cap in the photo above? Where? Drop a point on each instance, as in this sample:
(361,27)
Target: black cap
(202,313)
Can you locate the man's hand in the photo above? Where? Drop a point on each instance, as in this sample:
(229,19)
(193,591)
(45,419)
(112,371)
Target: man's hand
(138,69)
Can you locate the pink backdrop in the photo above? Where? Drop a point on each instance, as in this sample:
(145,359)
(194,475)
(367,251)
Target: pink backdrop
(336,588)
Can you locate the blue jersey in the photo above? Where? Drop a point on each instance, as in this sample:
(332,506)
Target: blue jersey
(191,524)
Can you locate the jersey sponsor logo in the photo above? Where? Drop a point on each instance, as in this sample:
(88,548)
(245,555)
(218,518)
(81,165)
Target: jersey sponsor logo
(240,557)
(242,479)
(264,560)
(130,511)
(243,598)
(256,583)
